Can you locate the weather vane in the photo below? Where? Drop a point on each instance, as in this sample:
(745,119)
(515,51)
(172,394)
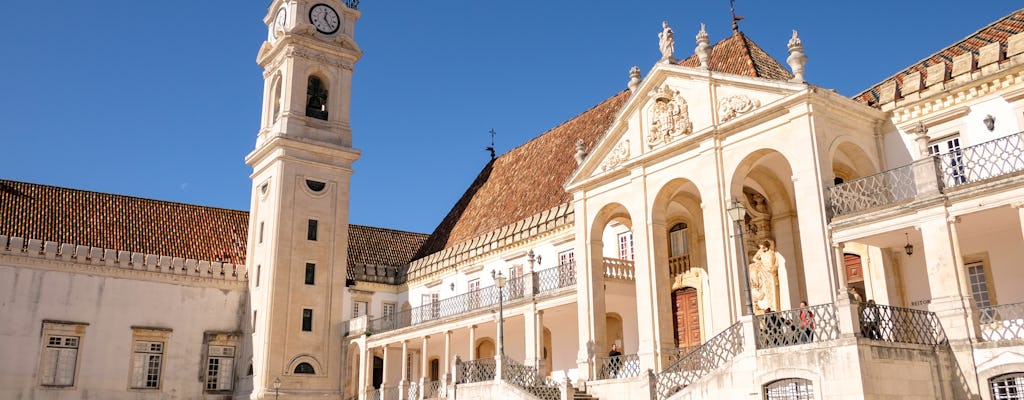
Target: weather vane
(491,148)
(735,18)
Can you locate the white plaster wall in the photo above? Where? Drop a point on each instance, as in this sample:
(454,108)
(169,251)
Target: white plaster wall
(111,306)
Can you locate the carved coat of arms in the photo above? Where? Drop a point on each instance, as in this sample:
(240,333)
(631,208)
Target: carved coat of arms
(668,116)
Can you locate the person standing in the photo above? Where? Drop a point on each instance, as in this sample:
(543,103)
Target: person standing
(806,323)
(614,361)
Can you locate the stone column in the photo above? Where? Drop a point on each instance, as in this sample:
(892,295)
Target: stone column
(447,355)
(534,333)
(654,284)
(842,288)
(364,368)
(386,378)
(590,303)
(403,382)
(423,366)
(1020,215)
(472,342)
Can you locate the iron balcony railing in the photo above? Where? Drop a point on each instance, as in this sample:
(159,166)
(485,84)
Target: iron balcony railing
(527,378)
(1001,322)
(432,390)
(708,357)
(900,325)
(882,189)
(479,370)
(413,392)
(384,393)
(983,161)
(615,367)
(619,269)
(513,292)
(803,325)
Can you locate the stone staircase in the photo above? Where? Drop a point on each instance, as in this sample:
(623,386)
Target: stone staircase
(582,395)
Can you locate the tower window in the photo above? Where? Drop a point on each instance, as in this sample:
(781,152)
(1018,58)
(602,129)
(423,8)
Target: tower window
(304,368)
(261,232)
(315,186)
(311,231)
(316,99)
(307,320)
(259,269)
(310,273)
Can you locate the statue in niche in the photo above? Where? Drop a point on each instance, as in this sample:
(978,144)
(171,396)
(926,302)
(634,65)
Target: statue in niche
(669,116)
(763,273)
(667,42)
(758,221)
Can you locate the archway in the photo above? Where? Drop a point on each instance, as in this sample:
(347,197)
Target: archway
(485,348)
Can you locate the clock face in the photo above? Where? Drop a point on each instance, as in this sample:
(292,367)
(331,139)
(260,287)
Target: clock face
(280,20)
(324,18)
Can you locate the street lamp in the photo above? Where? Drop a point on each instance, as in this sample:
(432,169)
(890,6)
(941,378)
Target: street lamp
(277,388)
(499,281)
(737,212)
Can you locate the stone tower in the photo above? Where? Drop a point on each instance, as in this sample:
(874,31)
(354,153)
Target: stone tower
(298,221)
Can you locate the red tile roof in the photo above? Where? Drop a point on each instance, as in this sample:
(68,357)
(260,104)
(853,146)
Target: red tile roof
(368,245)
(119,222)
(997,31)
(525,181)
(739,55)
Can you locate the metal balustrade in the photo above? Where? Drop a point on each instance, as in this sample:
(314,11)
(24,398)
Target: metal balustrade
(900,325)
(882,189)
(624,366)
(556,278)
(432,390)
(708,357)
(1001,322)
(413,392)
(678,265)
(803,325)
(615,268)
(679,352)
(479,370)
(983,161)
(384,393)
(527,378)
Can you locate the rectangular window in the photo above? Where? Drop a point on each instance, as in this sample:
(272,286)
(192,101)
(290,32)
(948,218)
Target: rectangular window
(59,359)
(259,269)
(474,295)
(307,320)
(261,233)
(388,311)
(566,257)
(951,159)
(253,321)
(311,231)
(147,361)
(359,308)
(679,240)
(979,284)
(626,246)
(220,368)
(310,273)
(408,366)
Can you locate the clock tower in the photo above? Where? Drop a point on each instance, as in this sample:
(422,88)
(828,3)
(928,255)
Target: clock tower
(298,222)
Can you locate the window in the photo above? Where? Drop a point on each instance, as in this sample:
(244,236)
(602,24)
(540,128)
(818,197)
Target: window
(979,284)
(359,308)
(261,233)
(311,231)
(514,287)
(275,99)
(1007,387)
(951,159)
(408,366)
(626,246)
(307,320)
(259,269)
(59,357)
(679,240)
(566,257)
(310,273)
(430,306)
(315,186)
(388,311)
(147,361)
(316,99)
(474,295)
(789,389)
(220,368)
(254,321)
(304,368)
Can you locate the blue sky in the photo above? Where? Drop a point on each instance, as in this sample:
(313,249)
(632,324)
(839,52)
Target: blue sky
(162,99)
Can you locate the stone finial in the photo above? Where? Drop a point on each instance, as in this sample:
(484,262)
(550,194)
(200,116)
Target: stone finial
(634,79)
(581,151)
(703,49)
(796,59)
(667,43)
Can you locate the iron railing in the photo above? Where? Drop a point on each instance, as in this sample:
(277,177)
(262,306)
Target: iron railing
(803,325)
(384,393)
(710,356)
(527,378)
(619,269)
(479,370)
(679,352)
(983,161)
(882,189)
(900,325)
(623,366)
(1002,322)
(678,265)
(555,278)
(432,390)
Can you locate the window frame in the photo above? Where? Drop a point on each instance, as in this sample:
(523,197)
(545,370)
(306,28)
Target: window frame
(307,320)
(71,336)
(626,247)
(147,337)
(1002,379)
(221,347)
(310,276)
(804,389)
(312,229)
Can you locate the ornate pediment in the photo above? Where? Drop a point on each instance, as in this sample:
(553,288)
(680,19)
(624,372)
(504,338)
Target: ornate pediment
(617,156)
(730,107)
(669,117)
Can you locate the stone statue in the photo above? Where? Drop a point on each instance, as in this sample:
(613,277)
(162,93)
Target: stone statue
(703,49)
(667,43)
(796,59)
(763,273)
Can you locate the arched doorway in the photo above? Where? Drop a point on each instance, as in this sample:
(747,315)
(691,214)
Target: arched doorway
(686,317)
(485,348)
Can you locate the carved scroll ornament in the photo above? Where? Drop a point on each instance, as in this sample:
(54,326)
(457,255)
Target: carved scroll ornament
(730,107)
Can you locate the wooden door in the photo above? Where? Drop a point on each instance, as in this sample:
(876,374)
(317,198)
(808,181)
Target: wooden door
(854,270)
(686,319)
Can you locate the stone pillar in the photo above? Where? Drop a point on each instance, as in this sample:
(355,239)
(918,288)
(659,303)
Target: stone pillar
(1020,215)
(364,368)
(423,367)
(403,382)
(590,303)
(813,244)
(842,288)
(447,355)
(386,378)
(653,284)
(530,278)
(472,342)
(531,337)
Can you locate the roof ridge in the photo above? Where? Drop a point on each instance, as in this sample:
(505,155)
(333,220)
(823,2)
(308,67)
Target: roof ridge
(388,229)
(938,53)
(169,202)
(746,49)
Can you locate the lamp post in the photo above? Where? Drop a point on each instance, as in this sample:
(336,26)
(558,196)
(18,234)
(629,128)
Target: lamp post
(737,212)
(499,281)
(277,388)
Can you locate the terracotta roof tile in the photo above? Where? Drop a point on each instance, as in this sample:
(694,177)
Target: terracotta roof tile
(525,181)
(739,55)
(368,245)
(997,31)
(119,222)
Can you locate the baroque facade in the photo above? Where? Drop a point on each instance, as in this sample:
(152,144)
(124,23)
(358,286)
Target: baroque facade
(721,229)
